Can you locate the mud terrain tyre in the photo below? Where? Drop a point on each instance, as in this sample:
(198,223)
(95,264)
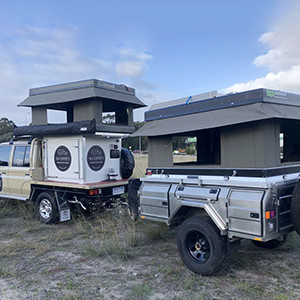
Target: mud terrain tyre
(272,244)
(46,207)
(127,163)
(295,208)
(200,245)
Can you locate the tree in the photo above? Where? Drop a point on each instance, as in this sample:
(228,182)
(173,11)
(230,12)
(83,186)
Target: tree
(6,129)
(109,119)
(134,141)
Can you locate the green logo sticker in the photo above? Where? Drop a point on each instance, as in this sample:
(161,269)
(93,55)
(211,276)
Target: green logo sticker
(270,93)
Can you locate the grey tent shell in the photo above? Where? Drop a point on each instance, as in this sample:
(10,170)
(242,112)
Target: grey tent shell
(255,105)
(57,96)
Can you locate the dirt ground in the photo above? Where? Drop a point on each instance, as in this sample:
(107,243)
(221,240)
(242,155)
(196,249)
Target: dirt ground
(108,256)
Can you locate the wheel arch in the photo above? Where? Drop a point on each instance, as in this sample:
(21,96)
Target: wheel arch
(36,190)
(185,212)
(206,211)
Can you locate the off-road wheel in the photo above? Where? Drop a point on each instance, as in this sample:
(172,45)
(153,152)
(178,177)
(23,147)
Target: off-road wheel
(272,244)
(200,245)
(46,207)
(295,208)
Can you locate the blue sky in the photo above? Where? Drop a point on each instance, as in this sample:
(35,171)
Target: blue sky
(164,49)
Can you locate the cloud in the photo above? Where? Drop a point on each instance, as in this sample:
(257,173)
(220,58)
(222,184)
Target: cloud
(282,59)
(132,64)
(53,54)
(35,56)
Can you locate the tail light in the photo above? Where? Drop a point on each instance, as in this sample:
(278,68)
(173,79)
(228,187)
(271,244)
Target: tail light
(270,214)
(94,192)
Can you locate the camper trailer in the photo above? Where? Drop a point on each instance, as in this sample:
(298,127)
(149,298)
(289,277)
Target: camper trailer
(243,183)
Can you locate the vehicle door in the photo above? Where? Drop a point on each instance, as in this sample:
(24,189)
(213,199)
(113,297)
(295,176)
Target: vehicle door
(19,172)
(5,155)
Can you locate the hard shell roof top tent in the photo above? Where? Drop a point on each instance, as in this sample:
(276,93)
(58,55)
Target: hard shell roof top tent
(253,129)
(86,100)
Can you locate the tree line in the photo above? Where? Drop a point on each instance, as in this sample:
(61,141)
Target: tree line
(6,130)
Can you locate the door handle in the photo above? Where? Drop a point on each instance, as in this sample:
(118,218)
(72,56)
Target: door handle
(3,172)
(27,174)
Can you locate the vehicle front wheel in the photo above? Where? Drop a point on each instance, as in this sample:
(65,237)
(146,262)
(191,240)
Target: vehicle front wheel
(46,207)
(200,245)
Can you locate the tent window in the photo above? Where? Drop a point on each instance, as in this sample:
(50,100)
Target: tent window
(184,149)
(290,141)
(203,148)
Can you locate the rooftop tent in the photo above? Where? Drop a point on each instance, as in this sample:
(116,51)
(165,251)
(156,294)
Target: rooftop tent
(84,101)
(235,130)
(57,96)
(221,111)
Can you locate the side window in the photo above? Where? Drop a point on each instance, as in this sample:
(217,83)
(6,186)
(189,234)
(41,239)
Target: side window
(4,155)
(21,156)
(27,157)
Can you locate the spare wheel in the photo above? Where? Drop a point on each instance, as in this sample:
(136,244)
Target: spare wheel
(127,163)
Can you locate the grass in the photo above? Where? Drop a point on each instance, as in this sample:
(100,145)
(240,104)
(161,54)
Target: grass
(157,231)
(141,163)
(107,236)
(140,291)
(8,207)
(293,241)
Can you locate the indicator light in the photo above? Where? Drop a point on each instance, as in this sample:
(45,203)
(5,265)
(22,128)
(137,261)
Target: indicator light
(93,192)
(270,214)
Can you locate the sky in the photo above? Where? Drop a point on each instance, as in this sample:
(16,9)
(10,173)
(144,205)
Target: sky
(164,49)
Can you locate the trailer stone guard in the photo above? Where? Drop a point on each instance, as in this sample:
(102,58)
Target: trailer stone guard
(243,183)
